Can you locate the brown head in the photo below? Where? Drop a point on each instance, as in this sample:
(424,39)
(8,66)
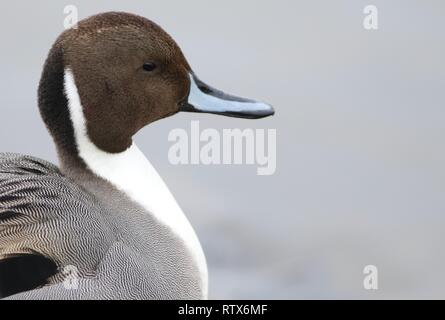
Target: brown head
(128,72)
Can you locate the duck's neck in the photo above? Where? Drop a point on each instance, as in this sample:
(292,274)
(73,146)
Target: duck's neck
(131,173)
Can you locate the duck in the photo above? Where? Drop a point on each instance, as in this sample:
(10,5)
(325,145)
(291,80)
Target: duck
(103,224)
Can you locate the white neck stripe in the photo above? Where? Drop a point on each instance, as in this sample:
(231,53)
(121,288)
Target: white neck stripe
(133,174)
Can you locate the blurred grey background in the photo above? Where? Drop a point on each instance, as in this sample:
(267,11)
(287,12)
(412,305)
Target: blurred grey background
(360,124)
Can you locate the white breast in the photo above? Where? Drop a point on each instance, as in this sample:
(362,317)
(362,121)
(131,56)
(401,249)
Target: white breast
(133,174)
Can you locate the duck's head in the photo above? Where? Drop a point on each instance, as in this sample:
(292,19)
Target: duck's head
(125,72)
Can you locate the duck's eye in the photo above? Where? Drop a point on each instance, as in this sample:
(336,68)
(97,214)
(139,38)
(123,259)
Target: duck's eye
(149,66)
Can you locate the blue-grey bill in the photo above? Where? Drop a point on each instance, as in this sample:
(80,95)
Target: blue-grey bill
(206,99)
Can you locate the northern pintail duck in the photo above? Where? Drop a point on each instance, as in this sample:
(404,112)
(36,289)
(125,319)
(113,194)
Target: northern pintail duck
(104,224)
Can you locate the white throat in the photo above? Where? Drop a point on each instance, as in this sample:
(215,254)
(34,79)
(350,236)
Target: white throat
(133,174)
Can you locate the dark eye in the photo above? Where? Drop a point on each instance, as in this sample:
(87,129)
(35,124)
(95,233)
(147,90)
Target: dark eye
(149,66)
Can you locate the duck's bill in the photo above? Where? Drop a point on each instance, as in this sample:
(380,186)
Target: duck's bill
(204,98)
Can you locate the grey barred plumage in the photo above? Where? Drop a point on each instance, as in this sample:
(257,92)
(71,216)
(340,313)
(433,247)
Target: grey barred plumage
(117,255)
